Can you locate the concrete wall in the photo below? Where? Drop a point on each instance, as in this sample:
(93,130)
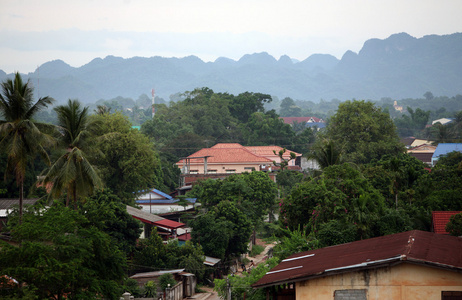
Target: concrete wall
(400,282)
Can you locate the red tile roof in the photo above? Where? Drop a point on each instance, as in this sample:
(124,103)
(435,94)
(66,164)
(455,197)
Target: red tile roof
(228,145)
(415,246)
(440,219)
(226,155)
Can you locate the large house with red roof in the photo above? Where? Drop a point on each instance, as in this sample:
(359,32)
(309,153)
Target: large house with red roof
(224,159)
(408,265)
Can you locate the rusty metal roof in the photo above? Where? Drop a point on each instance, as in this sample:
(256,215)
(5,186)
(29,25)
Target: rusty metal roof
(415,246)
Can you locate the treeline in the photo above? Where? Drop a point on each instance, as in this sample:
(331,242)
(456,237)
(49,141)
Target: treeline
(367,186)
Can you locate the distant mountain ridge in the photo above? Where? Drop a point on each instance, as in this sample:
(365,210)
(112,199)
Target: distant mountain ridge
(400,66)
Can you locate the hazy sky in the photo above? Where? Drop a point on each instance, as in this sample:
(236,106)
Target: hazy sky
(33,32)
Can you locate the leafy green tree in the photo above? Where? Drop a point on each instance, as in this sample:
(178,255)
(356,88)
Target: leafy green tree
(60,254)
(363,131)
(72,171)
(20,136)
(454,227)
(393,221)
(293,241)
(395,175)
(223,232)
(441,189)
(109,214)
(150,253)
(413,124)
(288,108)
(340,193)
(267,129)
(335,232)
(244,105)
(129,162)
(287,180)
(254,193)
(153,254)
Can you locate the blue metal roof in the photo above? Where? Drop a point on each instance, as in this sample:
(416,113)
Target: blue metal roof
(162,194)
(156,191)
(445,148)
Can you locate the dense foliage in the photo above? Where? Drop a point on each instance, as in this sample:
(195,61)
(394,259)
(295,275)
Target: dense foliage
(62,254)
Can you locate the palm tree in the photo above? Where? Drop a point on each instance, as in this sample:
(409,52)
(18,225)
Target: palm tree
(21,136)
(72,172)
(326,153)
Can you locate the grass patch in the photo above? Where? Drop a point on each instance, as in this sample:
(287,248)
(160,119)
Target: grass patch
(256,249)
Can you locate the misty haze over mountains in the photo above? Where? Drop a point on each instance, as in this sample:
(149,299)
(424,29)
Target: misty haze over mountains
(400,66)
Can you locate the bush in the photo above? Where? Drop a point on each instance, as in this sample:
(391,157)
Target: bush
(150,289)
(165,280)
(256,249)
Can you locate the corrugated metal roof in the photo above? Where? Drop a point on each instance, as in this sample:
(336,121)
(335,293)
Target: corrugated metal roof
(9,203)
(423,157)
(142,215)
(211,261)
(416,246)
(156,273)
(169,224)
(440,219)
(445,148)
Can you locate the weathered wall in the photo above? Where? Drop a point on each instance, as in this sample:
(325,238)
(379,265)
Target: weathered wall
(400,282)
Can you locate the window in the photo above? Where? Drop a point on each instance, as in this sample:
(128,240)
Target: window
(193,172)
(229,171)
(212,171)
(249,169)
(451,295)
(350,295)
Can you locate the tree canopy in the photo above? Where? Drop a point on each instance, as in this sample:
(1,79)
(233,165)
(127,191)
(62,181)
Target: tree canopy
(363,131)
(60,254)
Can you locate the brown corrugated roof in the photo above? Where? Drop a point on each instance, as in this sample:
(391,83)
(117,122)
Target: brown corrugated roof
(423,157)
(440,219)
(416,246)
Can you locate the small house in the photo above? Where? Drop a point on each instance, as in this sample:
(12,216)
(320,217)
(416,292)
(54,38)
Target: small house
(416,265)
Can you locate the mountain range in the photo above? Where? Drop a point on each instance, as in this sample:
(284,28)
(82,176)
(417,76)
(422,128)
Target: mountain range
(400,66)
